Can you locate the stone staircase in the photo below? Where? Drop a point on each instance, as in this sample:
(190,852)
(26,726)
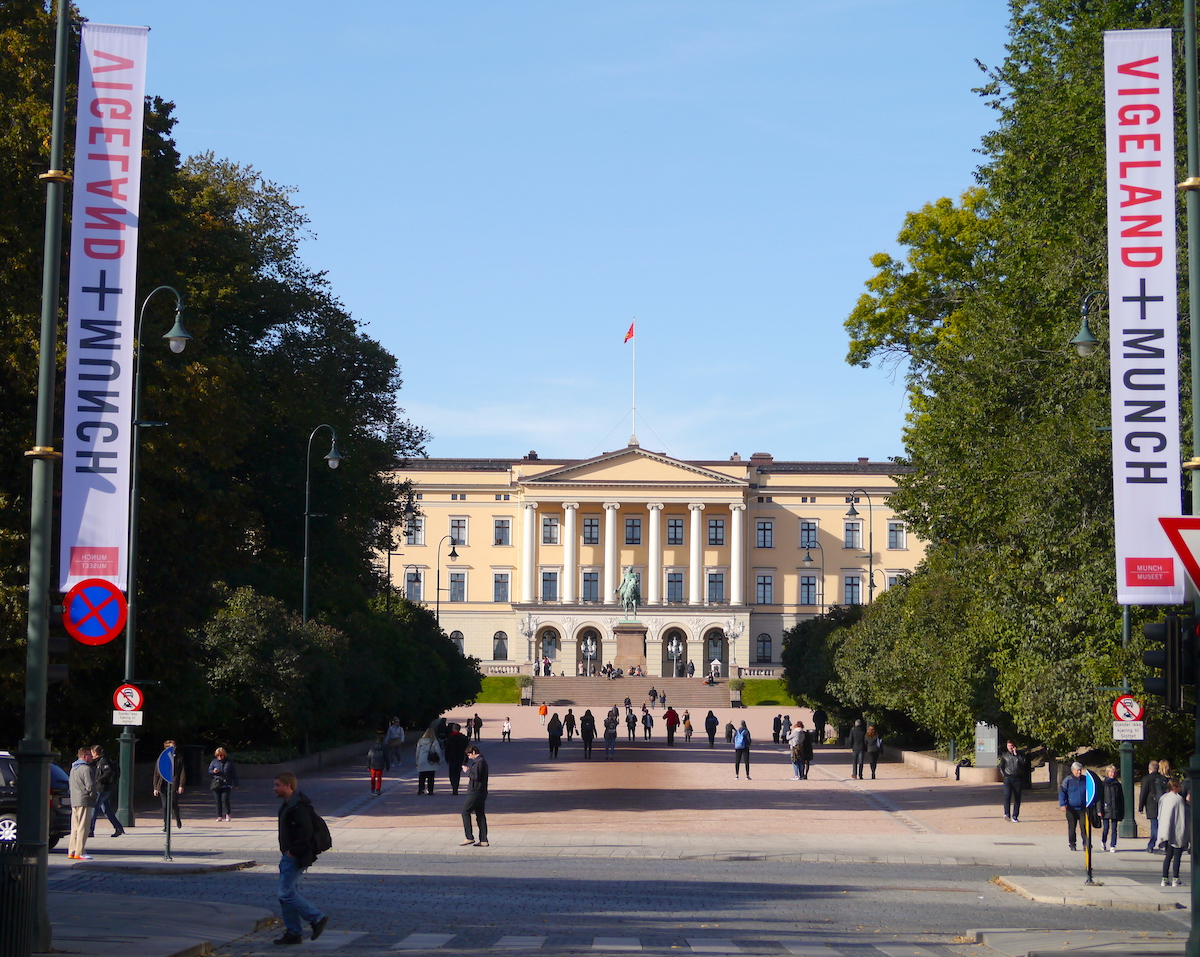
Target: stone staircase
(690,693)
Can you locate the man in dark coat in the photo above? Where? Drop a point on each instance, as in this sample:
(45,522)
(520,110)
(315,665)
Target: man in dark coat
(107,772)
(820,718)
(455,750)
(477,792)
(776,725)
(858,747)
(710,728)
(298,848)
(1153,785)
(1013,766)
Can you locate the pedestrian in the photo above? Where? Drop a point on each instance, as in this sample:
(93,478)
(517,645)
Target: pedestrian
(710,727)
(741,750)
(1153,786)
(1013,768)
(687,726)
(455,753)
(298,847)
(506,731)
(628,704)
(647,725)
(1112,808)
(653,696)
(631,723)
(569,724)
(108,772)
(819,720)
(394,739)
(543,711)
(477,792)
(858,748)
(162,790)
(671,720)
(464,731)
(662,699)
(729,731)
(477,724)
(691,669)
(795,740)
(83,802)
(224,780)
(807,753)
(610,735)
(587,733)
(1174,829)
(776,725)
(555,729)
(377,764)
(429,756)
(874,745)
(1072,798)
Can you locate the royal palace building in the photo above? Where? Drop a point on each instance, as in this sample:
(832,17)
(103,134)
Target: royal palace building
(521,559)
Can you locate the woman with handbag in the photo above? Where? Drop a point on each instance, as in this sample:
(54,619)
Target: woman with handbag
(224,778)
(874,745)
(429,756)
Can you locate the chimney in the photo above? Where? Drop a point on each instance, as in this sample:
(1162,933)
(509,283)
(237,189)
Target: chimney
(735,457)
(862,460)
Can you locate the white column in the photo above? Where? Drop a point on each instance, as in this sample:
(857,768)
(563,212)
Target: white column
(696,557)
(737,551)
(654,564)
(529,551)
(610,552)
(570,552)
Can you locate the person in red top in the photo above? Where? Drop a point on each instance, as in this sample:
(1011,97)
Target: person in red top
(671,720)
(543,711)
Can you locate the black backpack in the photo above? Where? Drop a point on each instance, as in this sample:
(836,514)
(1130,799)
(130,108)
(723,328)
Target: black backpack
(322,839)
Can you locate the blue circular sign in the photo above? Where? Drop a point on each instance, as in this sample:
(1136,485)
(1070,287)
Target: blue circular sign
(94,611)
(166,765)
(1090,788)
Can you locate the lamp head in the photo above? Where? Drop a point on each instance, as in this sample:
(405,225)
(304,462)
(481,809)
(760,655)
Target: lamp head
(178,336)
(334,458)
(853,513)
(1084,342)
(453,553)
(807,559)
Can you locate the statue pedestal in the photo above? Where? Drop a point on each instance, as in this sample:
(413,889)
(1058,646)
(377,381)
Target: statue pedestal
(631,645)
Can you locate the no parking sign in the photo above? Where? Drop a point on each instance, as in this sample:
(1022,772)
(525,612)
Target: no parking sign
(94,611)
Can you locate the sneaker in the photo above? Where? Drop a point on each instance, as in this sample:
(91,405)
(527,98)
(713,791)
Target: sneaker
(318,927)
(1016,820)
(483,844)
(71,857)
(469,842)
(1112,850)
(118,833)
(1007,817)
(289,938)
(1104,847)
(1165,882)
(1176,882)
(83,857)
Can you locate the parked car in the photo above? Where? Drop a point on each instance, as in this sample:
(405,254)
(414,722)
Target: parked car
(60,800)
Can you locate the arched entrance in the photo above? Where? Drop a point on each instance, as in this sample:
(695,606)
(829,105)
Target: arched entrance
(589,653)
(716,648)
(548,646)
(674,652)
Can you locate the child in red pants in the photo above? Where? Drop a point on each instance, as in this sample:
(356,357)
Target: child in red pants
(376,763)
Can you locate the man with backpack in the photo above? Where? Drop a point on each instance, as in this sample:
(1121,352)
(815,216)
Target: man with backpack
(741,750)
(302,836)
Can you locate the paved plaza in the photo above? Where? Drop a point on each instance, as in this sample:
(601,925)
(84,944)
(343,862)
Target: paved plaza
(658,850)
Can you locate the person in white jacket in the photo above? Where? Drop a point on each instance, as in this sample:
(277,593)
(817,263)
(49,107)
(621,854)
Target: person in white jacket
(429,756)
(1174,830)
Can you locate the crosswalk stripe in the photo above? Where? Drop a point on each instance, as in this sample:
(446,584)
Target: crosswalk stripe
(423,941)
(712,945)
(333,939)
(616,943)
(802,949)
(513,942)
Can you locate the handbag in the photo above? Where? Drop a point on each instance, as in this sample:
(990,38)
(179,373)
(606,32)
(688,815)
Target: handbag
(432,756)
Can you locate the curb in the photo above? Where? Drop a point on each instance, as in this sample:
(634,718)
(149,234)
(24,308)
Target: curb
(164,867)
(1084,899)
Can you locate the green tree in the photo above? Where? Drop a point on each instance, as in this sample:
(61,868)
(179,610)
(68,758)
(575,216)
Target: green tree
(809,649)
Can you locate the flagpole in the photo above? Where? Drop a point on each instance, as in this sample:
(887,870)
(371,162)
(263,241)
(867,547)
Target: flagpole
(633,435)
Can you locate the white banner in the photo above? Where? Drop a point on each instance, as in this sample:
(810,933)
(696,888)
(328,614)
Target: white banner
(97,428)
(1143,347)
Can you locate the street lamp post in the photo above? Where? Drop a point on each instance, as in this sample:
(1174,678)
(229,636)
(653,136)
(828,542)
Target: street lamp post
(529,626)
(674,652)
(333,459)
(178,339)
(854,513)
(453,556)
(589,654)
(733,631)
(808,561)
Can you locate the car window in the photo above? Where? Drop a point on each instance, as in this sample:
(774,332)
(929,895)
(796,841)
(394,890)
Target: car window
(8,772)
(58,777)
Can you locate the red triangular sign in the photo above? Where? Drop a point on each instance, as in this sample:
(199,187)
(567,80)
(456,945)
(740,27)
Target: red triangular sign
(1184,533)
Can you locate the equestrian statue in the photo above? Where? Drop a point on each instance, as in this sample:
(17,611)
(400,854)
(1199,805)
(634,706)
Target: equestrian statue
(629,592)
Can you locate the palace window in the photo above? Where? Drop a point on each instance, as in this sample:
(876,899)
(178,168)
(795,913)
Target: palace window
(412,585)
(716,531)
(633,531)
(716,588)
(591,531)
(853,537)
(550,644)
(549,529)
(675,588)
(458,530)
(762,648)
(674,531)
(591,586)
(503,531)
(852,593)
(897,535)
(764,534)
(416,531)
(549,586)
(764,589)
(500,586)
(808,534)
(500,646)
(457,638)
(808,589)
(458,586)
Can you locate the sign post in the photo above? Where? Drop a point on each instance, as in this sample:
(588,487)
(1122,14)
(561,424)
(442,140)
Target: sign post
(1091,792)
(166,770)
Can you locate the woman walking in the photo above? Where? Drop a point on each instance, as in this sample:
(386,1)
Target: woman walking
(224,779)
(587,733)
(796,738)
(610,735)
(687,726)
(710,728)
(741,750)
(429,756)
(555,729)
(1174,830)
(1112,808)
(874,745)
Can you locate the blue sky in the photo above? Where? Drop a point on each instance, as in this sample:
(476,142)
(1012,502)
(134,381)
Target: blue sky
(498,188)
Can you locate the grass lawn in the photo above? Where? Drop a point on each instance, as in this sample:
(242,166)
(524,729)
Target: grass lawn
(499,689)
(766,691)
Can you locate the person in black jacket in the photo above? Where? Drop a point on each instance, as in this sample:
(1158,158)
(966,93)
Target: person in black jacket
(587,733)
(477,792)
(456,752)
(1112,808)
(1153,785)
(710,727)
(298,849)
(858,747)
(1013,766)
(224,777)
(107,772)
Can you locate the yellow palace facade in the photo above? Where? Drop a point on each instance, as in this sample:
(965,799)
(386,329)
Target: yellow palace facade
(521,559)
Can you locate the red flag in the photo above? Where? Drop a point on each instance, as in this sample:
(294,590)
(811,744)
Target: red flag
(629,334)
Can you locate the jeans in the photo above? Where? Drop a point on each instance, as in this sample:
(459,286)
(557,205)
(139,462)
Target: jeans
(425,780)
(1104,835)
(221,796)
(173,796)
(712,736)
(610,745)
(394,752)
(1075,819)
(476,802)
(1153,833)
(858,757)
(295,908)
(1171,860)
(738,755)
(670,736)
(104,807)
(454,773)
(1012,796)
(796,770)
(873,757)
(587,746)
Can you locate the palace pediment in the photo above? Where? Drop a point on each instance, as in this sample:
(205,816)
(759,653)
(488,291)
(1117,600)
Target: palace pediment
(629,468)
